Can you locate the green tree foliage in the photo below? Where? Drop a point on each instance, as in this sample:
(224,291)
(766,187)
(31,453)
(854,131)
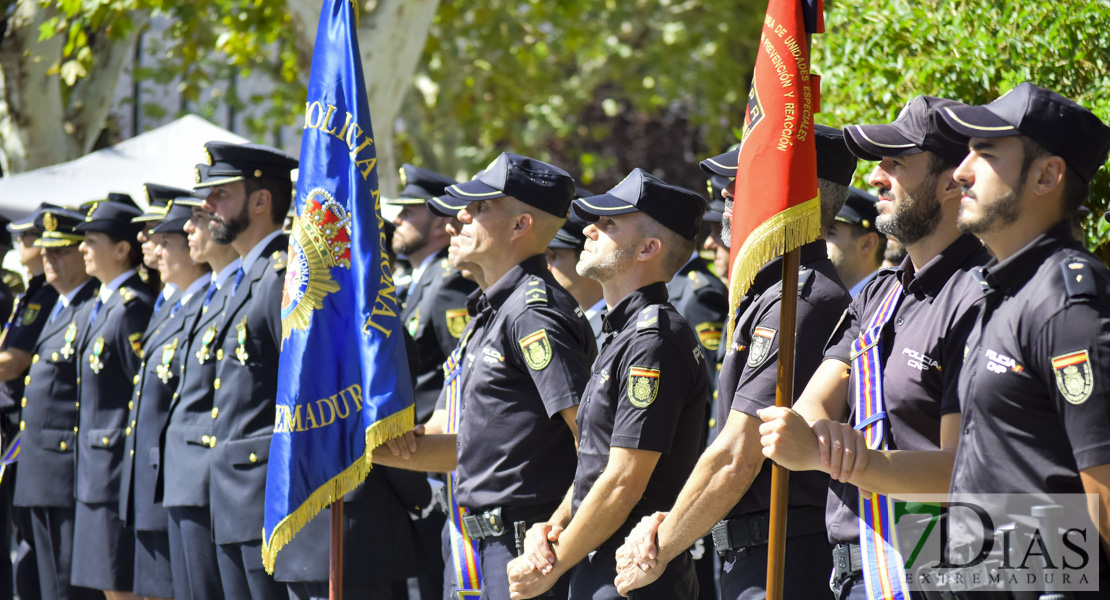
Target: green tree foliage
(876,55)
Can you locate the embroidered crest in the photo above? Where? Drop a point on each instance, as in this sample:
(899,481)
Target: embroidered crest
(321,240)
(457,318)
(204,353)
(136,340)
(241,350)
(537,350)
(709,334)
(71,335)
(1074,378)
(414,323)
(164,370)
(761,345)
(643,386)
(30,314)
(94,358)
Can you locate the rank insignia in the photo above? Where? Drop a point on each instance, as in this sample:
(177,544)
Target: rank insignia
(709,334)
(164,370)
(457,318)
(30,314)
(1074,378)
(204,353)
(136,340)
(94,358)
(241,351)
(643,386)
(761,346)
(279,259)
(414,323)
(537,350)
(71,335)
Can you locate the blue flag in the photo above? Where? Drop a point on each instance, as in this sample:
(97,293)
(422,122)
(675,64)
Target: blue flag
(344,384)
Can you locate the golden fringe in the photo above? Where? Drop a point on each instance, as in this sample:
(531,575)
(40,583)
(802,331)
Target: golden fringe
(789,229)
(354,7)
(388,428)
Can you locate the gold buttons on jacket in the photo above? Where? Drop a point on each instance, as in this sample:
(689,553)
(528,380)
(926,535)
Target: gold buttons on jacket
(216,384)
(22,425)
(220,354)
(135,379)
(253,457)
(23,402)
(53,357)
(212,442)
(215,411)
(125,432)
(204,440)
(132,452)
(35,359)
(75,430)
(130,405)
(62,446)
(27,380)
(104,441)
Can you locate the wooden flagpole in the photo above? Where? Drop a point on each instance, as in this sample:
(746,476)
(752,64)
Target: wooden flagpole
(335,581)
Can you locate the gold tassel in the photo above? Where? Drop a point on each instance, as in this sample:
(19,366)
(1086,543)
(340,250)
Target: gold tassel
(388,428)
(789,229)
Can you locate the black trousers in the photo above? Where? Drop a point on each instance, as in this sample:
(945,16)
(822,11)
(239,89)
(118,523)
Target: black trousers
(495,553)
(808,565)
(592,579)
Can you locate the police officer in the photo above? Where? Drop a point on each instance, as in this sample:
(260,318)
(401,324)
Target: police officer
(155,385)
(158,198)
(715,242)
(526,359)
(50,417)
(856,246)
(186,448)
(1032,155)
(562,259)
(642,421)
(249,191)
(109,349)
(731,478)
(918,317)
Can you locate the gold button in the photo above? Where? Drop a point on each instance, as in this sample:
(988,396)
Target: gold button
(104,441)
(53,356)
(135,379)
(27,380)
(220,354)
(216,384)
(78,404)
(719,365)
(133,423)
(74,430)
(35,358)
(175,395)
(204,440)
(78,381)
(130,405)
(712,422)
(61,445)
(132,452)
(714,394)
(253,457)
(22,425)
(212,441)
(215,411)
(23,402)
(125,431)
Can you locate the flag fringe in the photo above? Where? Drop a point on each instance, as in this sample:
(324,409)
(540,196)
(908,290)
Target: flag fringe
(789,229)
(377,434)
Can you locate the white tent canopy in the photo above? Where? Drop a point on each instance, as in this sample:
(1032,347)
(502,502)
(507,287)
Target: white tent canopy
(165,155)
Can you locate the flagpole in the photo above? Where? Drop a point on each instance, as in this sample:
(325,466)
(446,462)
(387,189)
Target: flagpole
(335,581)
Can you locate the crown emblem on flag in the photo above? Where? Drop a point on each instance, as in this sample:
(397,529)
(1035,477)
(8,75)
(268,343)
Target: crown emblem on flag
(321,241)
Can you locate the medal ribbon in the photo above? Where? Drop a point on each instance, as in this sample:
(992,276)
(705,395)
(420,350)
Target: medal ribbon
(883,571)
(464,551)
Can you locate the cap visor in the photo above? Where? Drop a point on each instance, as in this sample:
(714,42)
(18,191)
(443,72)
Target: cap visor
(713,216)
(558,242)
(594,207)
(446,206)
(58,242)
(174,226)
(958,123)
(873,142)
(723,164)
(405,201)
(147,217)
(473,190)
(217,181)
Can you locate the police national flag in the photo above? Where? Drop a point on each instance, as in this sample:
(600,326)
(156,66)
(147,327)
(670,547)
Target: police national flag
(776,203)
(344,384)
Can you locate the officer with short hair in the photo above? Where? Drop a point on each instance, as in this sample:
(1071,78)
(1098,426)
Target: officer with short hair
(732,481)
(562,258)
(526,361)
(50,404)
(1041,428)
(856,247)
(642,421)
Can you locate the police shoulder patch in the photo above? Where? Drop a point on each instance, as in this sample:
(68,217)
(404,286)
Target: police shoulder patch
(648,318)
(535,292)
(457,318)
(643,385)
(1074,377)
(1078,279)
(709,334)
(30,313)
(762,340)
(536,349)
(136,340)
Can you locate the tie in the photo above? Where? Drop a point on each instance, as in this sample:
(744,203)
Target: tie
(238,279)
(208,296)
(160,301)
(57,309)
(96,309)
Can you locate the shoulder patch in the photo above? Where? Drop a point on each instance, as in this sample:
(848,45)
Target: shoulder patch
(1078,279)
(457,318)
(535,292)
(648,318)
(762,339)
(643,386)
(1074,378)
(136,340)
(805,276)
(697,280)
(127,294)
(30,313)
(536,349)
(709,334)
(279,259)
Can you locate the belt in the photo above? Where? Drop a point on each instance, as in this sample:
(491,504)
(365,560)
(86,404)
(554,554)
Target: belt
(484,525)
(750,531)
(847,561)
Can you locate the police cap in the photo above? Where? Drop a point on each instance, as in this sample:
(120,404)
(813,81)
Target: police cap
(531,181)
(834,162)
(113,218)
(157,197)
(1056,123)
(912,132)
(228,163)
(177,215)
(58,226)
(677,209)
(420,185)
(859,210)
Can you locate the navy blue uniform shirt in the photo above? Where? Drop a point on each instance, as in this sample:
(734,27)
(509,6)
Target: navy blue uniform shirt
(646,392)
(528,357)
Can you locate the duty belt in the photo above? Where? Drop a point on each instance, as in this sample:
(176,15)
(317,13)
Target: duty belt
(750,531)
(484,525)
(846,561)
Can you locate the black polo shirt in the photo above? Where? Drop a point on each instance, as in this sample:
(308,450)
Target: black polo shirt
(24,326)
(922,352)
(527,358)
(1035,388)
(750,370)
(646,392)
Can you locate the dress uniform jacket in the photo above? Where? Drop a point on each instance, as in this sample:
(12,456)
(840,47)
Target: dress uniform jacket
(50,414)
(247,346)
(435,315)
(109,363)
(28,318)
(155,388)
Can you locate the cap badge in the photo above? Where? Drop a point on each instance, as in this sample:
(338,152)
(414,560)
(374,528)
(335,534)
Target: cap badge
(50,222)
(403,176)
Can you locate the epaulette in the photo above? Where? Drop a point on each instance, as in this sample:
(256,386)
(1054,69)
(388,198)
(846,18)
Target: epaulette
(447,271)
(1078,278)
(981,277)
(535,292)
(13,281)
(697,280)
(648,318)
(127,294)
(805,276)
(279,259)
